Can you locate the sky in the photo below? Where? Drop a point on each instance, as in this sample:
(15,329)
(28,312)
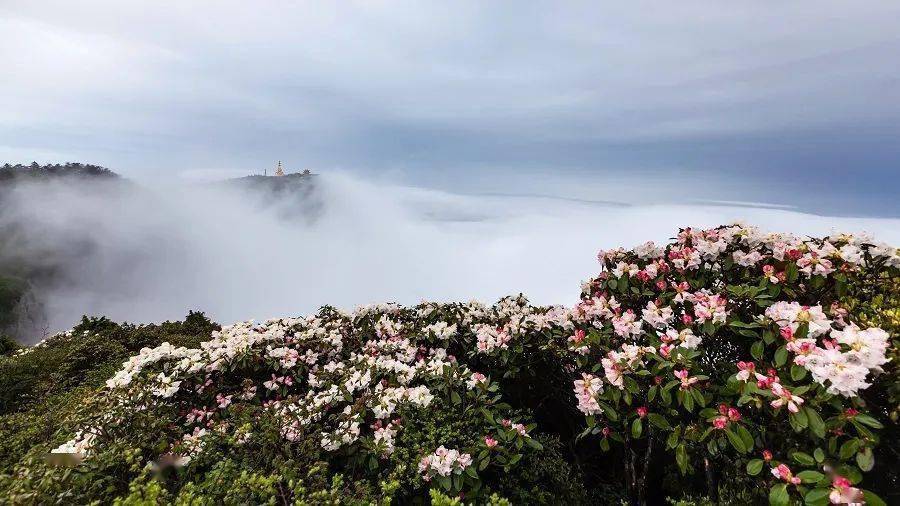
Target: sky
(787,103)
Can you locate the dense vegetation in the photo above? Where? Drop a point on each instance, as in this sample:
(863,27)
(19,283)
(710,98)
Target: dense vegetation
(729,366)
(37,171)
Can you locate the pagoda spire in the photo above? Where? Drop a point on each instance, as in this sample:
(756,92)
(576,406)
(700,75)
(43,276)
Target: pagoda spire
(279,170)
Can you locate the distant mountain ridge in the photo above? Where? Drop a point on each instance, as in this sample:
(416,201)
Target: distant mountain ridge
(10,172)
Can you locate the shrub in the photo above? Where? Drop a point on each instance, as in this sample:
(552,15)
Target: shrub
(725,360)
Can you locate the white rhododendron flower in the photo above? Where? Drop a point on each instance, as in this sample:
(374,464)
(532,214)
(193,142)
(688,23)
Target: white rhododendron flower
(444,462)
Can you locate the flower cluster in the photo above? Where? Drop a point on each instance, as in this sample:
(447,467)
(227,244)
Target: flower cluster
(650,312)
(839,356)
(444,462)
(345,382)
(729,316)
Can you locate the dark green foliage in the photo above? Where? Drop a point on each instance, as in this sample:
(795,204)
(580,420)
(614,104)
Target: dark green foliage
(41,388)
(8,345)
(35,171)
(11,291)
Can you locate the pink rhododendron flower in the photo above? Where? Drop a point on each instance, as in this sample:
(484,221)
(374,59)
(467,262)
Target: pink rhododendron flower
(783,472)
(745,369)
(770,274)
(843,493)
(686,381)
(787,333)
(223,400)
(666,349)
(520,428)
(785,397)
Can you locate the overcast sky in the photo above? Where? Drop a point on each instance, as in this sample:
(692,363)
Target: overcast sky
(794,103)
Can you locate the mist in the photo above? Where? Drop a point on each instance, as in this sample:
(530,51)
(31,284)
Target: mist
(142,253)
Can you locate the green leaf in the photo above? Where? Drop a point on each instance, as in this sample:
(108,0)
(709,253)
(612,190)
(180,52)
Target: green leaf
(672,440)
(608,411)
(872,499)
(778,495)
(735,441)
(659,421)
(745,436)
(810,476)
(819,455)
(666,395)
(698,396)
(803,458)
(849,448)
(534,443)
(816,424)
(631,385)
(682,459)
(797,372)
(636,428)
(708,413)
(868,420)
(862,430)
(781,355)
(687,400)
(754,467)
(798,420)
(454,397)
(817,497)
(757,350)
(791,272)
(865,459)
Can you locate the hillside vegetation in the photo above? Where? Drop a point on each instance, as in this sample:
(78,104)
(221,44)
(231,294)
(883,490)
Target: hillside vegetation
(36,171)
(729,366)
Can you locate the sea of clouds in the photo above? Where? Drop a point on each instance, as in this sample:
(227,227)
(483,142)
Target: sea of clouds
(144,253)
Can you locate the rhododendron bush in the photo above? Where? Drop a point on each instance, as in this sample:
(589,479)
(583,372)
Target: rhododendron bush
(730,356)
(730,343)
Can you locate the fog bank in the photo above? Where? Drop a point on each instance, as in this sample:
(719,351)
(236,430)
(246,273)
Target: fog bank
(141,254)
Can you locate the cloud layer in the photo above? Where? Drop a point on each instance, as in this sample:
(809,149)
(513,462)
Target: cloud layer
(804,92)
(148,254)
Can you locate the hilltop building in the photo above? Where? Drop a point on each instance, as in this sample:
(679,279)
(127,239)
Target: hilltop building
(279,171)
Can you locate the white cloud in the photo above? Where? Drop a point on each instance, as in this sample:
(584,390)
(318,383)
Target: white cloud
(153,254)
